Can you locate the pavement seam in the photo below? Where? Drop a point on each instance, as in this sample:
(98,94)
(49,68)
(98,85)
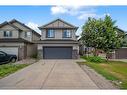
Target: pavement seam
(47,76)
(89,77)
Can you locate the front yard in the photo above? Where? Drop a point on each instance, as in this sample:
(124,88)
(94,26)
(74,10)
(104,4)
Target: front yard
(116,71)
(7,69)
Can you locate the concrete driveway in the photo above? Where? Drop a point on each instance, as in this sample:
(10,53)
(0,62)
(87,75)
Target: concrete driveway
(49,74)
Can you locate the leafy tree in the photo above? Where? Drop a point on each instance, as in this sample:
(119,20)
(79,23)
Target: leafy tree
(102,34)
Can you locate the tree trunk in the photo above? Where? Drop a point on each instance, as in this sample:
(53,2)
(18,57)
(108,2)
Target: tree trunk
(107,56)
(95,53)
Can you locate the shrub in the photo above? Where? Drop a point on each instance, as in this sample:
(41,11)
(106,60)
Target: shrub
(95,59)
(34,56)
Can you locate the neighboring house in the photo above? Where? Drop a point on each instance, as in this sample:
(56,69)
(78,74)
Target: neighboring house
(120,53)
(58,41)
(84,50)
(17,38)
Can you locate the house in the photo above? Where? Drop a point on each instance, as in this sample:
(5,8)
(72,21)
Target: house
(58,41)
(17,38)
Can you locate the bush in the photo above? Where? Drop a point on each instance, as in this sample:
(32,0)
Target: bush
(34,56)
(95,59)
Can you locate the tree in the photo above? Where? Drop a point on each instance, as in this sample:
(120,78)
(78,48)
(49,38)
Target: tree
(90,33)
(102,34)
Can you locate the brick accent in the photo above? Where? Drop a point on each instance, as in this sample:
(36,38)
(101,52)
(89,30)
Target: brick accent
(40,54)
(21,53)
(74,54)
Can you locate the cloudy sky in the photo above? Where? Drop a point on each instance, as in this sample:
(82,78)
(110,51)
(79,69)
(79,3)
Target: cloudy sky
(35,16)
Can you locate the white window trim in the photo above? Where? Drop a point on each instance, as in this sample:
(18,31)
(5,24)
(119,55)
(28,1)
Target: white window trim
(8,34)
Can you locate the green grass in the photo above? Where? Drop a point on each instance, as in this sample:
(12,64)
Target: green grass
(95,59)
(7,69)
(112,70)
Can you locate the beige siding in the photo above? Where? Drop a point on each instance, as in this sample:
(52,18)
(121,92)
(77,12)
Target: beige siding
(58,35)
(22,35)
(21,27)
(15,33)
(43,34)
(58,24)
(31,50)
(7,27)
(12,44)
(35,37)
(58,32)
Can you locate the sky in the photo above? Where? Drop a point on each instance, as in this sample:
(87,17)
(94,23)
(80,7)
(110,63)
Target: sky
(35,16)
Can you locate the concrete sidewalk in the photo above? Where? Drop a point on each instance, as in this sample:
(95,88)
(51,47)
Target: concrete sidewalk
(49,74)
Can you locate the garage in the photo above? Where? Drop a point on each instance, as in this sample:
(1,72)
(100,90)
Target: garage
(121,53)
(10,50)
(57,52)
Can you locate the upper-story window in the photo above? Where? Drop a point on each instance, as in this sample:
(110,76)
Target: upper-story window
(27,34)
(7,33)
(67,34)
(50,33)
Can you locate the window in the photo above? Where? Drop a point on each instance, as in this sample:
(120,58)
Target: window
(50,34)
(27,34)
(67,34)
(7,33)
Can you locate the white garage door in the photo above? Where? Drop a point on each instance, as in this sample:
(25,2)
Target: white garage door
(10,50)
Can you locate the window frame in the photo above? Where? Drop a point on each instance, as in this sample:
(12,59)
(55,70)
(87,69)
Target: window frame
(67,30)
(7,33)
(26,34)
(49,30)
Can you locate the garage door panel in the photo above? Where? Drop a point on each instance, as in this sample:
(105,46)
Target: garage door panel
(121,53)
(57,52)
(10,50)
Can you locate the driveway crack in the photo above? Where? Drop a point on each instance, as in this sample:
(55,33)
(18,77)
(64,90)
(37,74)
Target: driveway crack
(48,76)
(19,81)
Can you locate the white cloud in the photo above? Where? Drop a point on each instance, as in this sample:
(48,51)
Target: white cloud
(58,10)
(86,15)
(72,10)
(34,26)
(81,12)
(93,15)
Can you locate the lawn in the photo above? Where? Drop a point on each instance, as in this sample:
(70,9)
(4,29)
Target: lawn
(116,71)
(7,69)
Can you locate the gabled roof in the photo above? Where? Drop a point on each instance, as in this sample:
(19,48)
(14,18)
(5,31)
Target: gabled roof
(43,26)
(120,29)
(7,23)
(14,20)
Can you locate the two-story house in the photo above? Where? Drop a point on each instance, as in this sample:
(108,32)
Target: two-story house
(17,38)
(58,41)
